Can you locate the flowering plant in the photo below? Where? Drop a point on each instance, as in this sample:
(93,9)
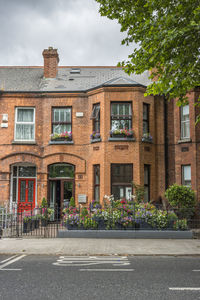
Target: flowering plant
(147,136)
(122,132)
(95,135)
(64,135)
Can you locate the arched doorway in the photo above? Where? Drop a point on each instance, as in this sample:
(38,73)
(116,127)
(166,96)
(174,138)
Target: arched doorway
(61,185)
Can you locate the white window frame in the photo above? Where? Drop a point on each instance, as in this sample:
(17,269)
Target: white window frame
(24,123)
(183,122)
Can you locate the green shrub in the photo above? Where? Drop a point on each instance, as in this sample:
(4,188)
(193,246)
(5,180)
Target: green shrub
(72,202)
(139,192)
(44,203)
(182,198)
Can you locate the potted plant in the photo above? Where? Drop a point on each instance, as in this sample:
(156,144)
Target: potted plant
(147,137)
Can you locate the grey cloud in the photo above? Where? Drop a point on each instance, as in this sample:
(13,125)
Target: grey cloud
(75,27)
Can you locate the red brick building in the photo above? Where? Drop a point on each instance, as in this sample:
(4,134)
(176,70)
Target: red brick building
(88,132)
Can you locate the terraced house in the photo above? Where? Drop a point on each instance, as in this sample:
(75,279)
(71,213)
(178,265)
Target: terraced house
(88,132)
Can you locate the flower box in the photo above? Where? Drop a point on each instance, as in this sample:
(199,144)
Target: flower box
(61,139)
(147,138)
(121,133)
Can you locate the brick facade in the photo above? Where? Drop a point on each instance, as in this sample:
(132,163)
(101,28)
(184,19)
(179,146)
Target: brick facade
(82,153)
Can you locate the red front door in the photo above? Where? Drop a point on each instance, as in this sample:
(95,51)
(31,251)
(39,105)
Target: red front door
(26,194)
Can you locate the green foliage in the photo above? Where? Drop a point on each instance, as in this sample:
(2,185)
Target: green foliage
(182,198)
(44,203)
(84,212)
(167,37)
(72,202)
(138,192)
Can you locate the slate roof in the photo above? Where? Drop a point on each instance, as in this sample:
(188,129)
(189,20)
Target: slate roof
(27,79)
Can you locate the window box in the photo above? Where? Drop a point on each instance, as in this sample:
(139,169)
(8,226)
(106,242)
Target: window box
(62,137)
(95,140)
(147,138)
(64,142)
(121,139)
(121,133)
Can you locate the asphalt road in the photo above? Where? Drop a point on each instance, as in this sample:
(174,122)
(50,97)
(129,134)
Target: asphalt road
(53,277)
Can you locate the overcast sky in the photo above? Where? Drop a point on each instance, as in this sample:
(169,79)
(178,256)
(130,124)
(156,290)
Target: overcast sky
(74,27)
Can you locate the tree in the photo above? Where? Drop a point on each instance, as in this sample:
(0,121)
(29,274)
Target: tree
(167,33)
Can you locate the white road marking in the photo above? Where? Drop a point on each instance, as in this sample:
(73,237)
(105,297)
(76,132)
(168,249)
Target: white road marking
(10,269)
(5,260)
(11,262)
(196,270)
(185,289)
(107,270)
(79,261)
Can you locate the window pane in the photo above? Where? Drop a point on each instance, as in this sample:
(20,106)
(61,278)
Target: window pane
(146,175)
(61,128)
(185,129)
(56,115)
(146,194)
(127,109)
(145,111)
(27,171)
(114,109)
(120,124)
(187,172)
(61,171)
(62,115)
(14,189)
(145,127)
(24,115)
(22,191)
(15,171)
(121,109)
(121,173)
(185,110)
(128,193)
(96,193)
(24,132)
(30,191)
(96,174)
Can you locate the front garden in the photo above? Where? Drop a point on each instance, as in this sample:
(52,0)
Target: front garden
(122,215)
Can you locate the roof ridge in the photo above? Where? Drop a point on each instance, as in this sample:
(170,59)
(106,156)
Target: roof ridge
(60,67)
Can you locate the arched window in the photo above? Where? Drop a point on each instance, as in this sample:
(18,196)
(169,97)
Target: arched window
(61,171)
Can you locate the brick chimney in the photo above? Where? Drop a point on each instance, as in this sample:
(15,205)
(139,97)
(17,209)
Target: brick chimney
(51,60)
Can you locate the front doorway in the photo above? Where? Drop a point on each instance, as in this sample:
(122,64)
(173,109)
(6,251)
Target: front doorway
(61,187)
(23,187)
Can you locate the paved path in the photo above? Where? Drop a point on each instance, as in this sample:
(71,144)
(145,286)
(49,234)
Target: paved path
(100,246)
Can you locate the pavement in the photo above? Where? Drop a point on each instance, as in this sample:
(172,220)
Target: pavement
(73,246)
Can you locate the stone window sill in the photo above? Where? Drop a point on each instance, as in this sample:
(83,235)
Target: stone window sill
(24,143)
(117,139)
(95,140)
(61,142)
(184,141)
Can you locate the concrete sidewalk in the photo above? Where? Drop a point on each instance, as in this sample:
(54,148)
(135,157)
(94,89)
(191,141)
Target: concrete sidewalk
(100,246)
